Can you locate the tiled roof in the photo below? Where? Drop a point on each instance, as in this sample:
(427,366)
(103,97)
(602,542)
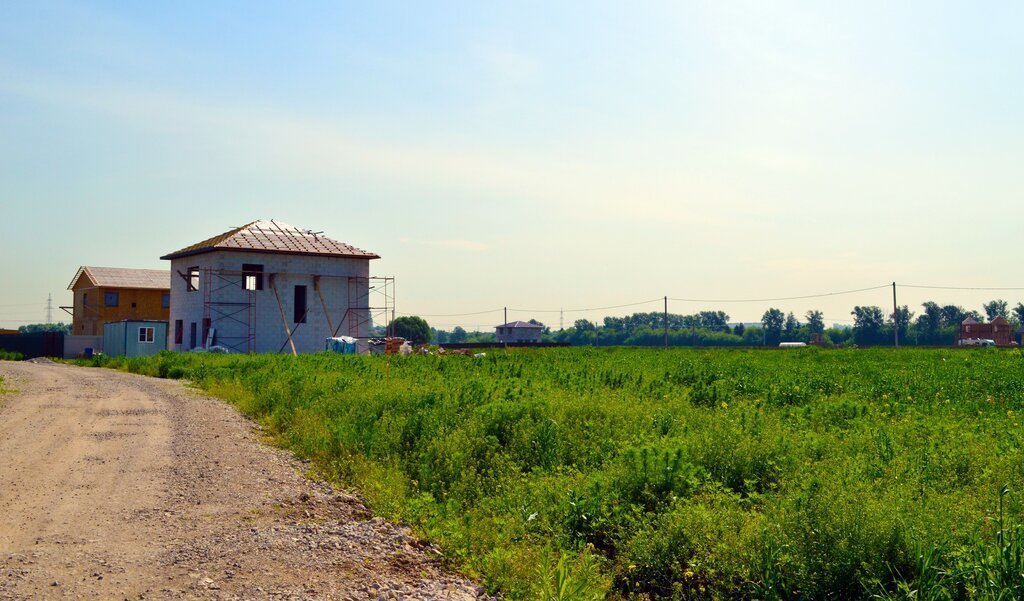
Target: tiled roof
(520,324)
(122,277)
(273,237)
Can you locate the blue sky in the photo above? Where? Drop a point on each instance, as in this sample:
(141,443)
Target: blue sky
(536,155)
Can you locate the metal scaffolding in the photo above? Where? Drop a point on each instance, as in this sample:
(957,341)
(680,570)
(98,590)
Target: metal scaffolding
(216,285)
(229,306)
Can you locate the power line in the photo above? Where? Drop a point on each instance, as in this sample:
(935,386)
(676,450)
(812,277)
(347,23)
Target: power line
(584,310)
(561,311)
(452,314)
(781,298)
(955,287)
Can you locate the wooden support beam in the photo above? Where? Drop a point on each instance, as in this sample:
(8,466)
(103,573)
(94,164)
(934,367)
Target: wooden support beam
(284,318)
(323,303)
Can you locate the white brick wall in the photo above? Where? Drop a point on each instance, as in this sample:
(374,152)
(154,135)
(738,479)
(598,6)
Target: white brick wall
(290,271)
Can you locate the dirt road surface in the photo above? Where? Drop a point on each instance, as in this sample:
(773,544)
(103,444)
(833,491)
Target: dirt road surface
(115,486)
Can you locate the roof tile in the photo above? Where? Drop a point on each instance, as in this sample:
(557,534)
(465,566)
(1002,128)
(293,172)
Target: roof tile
(273,237)
(122,277)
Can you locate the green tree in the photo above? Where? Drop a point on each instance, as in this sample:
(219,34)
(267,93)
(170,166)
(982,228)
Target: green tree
(546,329)
(773,320)
(953,315)
(815,322)
(583,325)
(35,328)
(739,329)
(791,328)
(929,323)
(901,321)
(716,321)
(458,335)
(995,308)
(412,328)
(1018,314)
(867,324)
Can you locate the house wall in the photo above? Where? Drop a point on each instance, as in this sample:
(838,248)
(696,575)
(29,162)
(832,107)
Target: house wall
(90,312)
(1001,334)
(74,346)
(289,271)
(517,334)
(113,339)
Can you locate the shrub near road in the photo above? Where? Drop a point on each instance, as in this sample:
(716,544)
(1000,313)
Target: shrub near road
(728,474)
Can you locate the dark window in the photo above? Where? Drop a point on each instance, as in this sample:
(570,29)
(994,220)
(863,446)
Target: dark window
(110,299)
(300,304)
(165,301)
(179,331)
(252,276)
(193,279)
(192,335)
(206,331)
(133,305)
(146,334)
(85,299)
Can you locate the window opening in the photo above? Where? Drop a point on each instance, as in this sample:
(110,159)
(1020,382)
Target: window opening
(300,304)
(252,278)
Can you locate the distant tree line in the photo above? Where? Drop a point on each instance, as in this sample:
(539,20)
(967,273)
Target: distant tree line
(936,325)
(35,328)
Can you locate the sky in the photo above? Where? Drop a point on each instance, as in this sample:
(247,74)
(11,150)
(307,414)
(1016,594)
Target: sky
(531,155)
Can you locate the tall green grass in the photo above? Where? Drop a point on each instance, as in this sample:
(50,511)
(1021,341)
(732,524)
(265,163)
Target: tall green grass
(10,356)
(722,474)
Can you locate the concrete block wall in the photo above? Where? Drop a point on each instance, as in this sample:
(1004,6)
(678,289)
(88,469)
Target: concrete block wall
(289,271)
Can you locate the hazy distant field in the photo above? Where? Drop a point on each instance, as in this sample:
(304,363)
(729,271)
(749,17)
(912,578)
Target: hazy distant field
(737,474)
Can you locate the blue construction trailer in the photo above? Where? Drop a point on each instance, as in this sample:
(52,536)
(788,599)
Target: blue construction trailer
(134,337)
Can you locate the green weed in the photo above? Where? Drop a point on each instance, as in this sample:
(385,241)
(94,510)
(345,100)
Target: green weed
(640,473)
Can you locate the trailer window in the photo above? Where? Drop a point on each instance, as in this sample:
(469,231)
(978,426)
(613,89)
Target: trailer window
(146,334)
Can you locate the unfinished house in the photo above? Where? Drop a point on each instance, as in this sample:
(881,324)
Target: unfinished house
(998,330)
(105,294)
(268,287)
(518,332)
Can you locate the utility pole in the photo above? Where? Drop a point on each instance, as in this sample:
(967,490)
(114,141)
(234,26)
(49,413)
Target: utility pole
(895,318)
(561,319)
(666,322)
(504,328)
(49,308)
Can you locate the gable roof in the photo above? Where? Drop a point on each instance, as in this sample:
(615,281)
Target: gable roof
(969,321)
(520,324)
(273,237)
(123,277)
(1000,320)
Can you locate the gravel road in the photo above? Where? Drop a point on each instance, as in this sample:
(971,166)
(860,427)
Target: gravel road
(119,486)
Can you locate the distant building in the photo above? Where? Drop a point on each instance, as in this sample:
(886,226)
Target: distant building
(105,294)
(998,330)
(4,332)
(518,331)
(268,287)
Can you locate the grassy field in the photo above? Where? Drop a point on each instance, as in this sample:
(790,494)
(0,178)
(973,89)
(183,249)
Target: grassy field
(721,474)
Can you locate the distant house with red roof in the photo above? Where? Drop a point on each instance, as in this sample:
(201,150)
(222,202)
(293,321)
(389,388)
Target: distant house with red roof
(998,330)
